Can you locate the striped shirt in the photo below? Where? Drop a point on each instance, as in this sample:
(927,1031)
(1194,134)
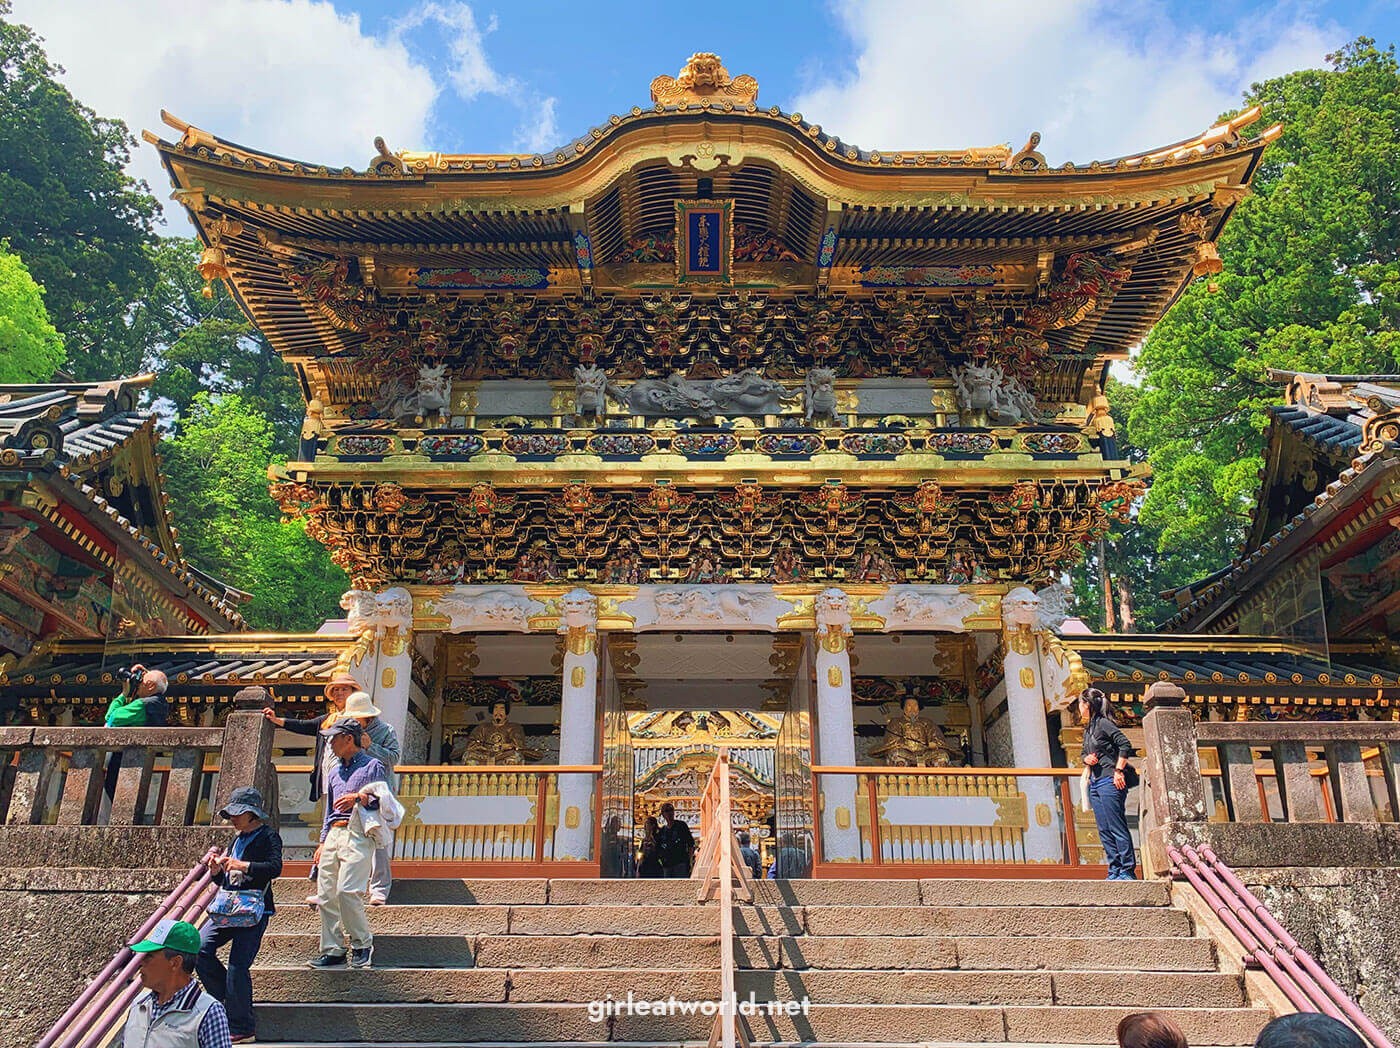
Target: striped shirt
(213,1029)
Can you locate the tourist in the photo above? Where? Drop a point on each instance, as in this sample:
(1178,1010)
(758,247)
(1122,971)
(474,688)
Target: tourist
(1149,1030)
(337,691)
(176,1012)
(675,844)
(651,861)
(750,854)
(383,746)
(340,687)
(345,855)
(141,703)
(1308,1030)
(1106,751)
(253,861)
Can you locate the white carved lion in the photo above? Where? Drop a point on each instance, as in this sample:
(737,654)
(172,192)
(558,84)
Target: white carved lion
(935,610)
(833,611)
(1020,608)
(578,610)
(393,609)
(725,604)
(359,609)
(488,609)
(1056,600)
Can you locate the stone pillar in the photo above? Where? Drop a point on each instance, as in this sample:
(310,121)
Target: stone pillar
(1030,737)
(1174,794)
(578,725)
(247,756)
(836,737)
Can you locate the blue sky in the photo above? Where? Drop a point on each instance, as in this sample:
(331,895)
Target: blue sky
(318,79)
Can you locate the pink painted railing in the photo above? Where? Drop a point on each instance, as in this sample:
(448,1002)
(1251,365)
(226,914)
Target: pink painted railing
(1296,973)
(102,1006)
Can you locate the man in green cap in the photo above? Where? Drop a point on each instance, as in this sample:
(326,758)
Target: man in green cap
(175,1013)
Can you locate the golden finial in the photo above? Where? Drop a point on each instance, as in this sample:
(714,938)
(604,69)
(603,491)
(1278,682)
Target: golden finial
(704,78)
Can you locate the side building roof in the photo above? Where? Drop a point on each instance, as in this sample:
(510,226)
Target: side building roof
(1331,452)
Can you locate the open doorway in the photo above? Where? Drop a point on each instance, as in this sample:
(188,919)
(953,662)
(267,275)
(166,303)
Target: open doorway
(689,695)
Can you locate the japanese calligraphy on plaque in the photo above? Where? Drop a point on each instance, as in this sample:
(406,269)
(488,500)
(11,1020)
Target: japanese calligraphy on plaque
(704,241)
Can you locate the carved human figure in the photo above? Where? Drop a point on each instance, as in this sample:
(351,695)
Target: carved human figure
(704,567)
(623,567)
(912,741)
(874,565)
(498,741)
(819,395)
(786,566)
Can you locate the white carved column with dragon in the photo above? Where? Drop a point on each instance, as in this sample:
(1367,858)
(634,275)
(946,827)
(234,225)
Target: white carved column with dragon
(381,659)
(1024,619)
(578,724)
(836,736)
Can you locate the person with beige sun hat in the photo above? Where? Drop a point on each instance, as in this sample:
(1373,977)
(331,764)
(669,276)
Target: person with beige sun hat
(346,699)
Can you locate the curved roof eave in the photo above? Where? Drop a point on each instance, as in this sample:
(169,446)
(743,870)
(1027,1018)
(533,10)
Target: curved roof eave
(758,134)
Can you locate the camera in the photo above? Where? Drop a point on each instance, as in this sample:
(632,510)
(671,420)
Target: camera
(132,676)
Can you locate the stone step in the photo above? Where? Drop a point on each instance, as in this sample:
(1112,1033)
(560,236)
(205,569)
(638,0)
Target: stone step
(934,892)
(515,1023)
(618,951)
(702,1044)
(895,892)
(641,919)
(987,953)
(437,891)
(495,985)
(871,953)
(969,921)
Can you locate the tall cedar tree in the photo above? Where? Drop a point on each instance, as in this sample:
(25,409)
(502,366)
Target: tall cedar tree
(1311,283)
(68,208)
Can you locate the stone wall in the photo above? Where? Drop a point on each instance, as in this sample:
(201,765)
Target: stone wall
(62,925)
(1347,918)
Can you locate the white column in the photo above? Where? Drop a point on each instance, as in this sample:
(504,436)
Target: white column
(578,725)
(384,623)
(1030,738)
(836,737)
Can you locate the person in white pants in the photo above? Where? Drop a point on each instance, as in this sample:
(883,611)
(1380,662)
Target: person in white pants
(346,855)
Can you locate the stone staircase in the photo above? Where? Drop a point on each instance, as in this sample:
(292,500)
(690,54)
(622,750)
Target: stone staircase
(935,962)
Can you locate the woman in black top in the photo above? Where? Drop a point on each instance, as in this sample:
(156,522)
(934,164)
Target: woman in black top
(1106,752)
(651,863)
(254,861)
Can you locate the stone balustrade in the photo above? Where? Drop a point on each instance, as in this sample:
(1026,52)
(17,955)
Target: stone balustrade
(128,796)
(1293,793)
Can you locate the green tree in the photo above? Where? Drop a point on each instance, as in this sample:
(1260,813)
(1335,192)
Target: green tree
(30,349)
(1311,283)
(68,207)
(196,344)
(216,469)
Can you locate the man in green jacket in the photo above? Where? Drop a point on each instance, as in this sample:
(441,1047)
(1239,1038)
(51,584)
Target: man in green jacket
(146,707)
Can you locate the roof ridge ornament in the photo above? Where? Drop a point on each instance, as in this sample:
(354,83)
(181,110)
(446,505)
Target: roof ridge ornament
(704,79)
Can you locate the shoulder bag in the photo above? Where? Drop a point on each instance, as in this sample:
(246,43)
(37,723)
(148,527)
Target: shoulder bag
(236,907)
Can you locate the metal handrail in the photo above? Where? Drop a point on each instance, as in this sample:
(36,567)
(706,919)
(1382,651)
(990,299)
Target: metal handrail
(1294,971)
(92,1018)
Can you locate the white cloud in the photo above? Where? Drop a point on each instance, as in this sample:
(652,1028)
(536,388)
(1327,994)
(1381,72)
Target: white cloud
(291,77)
(472,74)
(1099,80)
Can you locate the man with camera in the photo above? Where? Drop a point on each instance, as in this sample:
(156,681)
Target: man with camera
(141,703)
